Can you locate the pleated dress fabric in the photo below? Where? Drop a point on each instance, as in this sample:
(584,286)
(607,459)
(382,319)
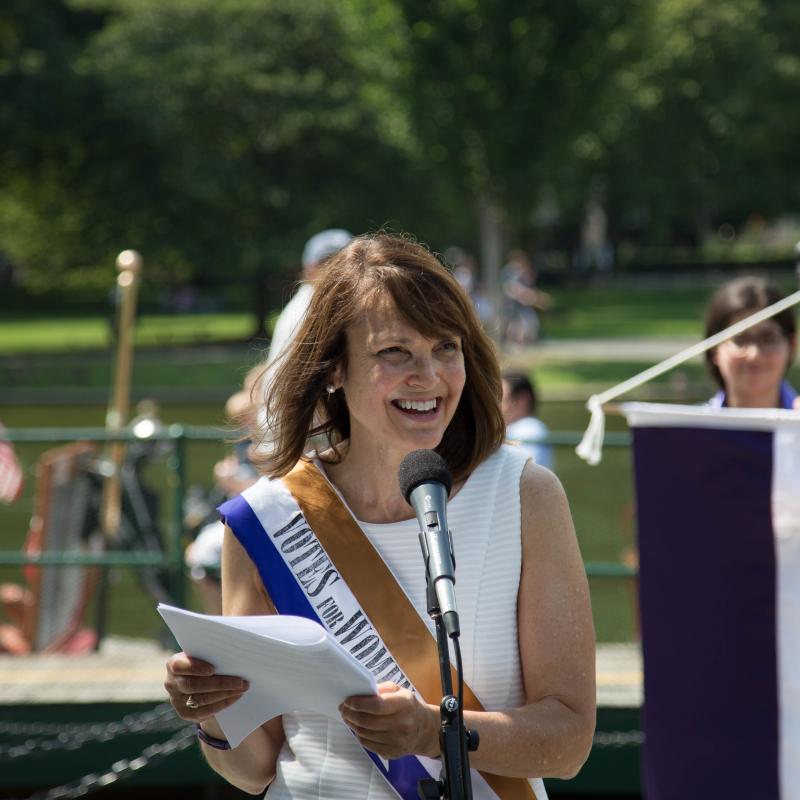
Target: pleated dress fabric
(321,758)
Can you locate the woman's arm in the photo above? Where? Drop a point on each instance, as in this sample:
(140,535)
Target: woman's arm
(551,735)
(251,765)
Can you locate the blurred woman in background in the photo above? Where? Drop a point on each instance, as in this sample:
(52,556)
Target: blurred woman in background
(750,368)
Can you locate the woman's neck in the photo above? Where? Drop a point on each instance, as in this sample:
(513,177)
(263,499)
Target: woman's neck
(369,484)
(769,399)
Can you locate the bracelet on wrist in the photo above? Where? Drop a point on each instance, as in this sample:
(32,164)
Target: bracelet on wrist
(211,741)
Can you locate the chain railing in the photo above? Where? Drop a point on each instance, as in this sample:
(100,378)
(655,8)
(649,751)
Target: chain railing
(618,739)
(119,770)
(71,736)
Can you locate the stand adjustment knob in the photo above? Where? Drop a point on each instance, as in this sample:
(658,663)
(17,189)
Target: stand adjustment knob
(473,739)
(450,704)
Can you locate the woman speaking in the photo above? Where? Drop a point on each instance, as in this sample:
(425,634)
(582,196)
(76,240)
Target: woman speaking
(391,358)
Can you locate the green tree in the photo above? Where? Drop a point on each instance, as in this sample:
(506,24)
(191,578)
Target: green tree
(215,136)
(672,115)
(505,96)
(218,135)
(690,146)
(47,116)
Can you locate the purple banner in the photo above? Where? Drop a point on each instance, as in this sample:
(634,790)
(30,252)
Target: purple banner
(708,611)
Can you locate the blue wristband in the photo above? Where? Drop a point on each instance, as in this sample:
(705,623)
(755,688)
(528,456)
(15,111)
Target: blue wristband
(211,741)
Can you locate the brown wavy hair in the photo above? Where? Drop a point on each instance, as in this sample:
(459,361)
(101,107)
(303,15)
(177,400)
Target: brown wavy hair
(744,295)
(372,269)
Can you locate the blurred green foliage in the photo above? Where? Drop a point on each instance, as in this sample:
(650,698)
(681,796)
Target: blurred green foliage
(216,135)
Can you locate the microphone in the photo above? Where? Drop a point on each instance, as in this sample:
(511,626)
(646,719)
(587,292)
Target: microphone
(425,483)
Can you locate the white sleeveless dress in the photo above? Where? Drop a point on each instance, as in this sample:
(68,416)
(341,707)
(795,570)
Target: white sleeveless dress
(321,758)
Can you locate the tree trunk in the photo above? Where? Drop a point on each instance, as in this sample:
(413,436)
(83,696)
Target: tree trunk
(490,229)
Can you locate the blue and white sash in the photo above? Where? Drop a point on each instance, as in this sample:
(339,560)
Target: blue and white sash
(332,574)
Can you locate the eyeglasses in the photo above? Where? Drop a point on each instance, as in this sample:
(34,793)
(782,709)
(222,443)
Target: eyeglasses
(766,341)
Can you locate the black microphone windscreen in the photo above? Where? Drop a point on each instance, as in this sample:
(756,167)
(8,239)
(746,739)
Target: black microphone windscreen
(423,466)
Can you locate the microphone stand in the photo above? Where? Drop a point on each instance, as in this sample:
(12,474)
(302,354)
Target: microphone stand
(455,741)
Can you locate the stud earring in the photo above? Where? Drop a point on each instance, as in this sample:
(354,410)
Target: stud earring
(330,388)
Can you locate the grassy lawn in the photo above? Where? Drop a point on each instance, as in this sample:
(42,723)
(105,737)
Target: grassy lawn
(36,333)
(226,367)
(38,351)
(613,313)
(580,313)
(222,367)
(576,372)
(598,312)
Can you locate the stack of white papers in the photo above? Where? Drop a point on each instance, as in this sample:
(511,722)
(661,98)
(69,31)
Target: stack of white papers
(292,664)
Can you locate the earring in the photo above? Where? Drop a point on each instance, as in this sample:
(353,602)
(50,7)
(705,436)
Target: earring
(330,388)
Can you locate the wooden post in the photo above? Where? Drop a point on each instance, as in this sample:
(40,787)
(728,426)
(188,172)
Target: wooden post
(129,265)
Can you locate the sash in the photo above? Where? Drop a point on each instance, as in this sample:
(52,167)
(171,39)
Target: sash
(316,562)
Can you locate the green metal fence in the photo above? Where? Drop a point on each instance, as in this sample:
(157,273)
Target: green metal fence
(171,558)
(179,436)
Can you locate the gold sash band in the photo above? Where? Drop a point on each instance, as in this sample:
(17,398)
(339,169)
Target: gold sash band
(382,599)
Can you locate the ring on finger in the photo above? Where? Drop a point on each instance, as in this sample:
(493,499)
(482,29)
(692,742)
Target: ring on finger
(192,703)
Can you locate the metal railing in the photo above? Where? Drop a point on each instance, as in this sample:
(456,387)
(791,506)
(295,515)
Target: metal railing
(171,558)
(180,436)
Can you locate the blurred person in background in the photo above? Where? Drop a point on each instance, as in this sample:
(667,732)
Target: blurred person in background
(750,368)
(317,249)
(320,247)
(12,476)
(465,271)
(519,411)
(13,598)
(522,299)
(232,475)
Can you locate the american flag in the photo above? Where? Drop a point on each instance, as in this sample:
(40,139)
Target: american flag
(12,476)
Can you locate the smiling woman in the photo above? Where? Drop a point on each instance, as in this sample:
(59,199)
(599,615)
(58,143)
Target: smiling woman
(750,369)
(390,359)
(376,289)
(402,389)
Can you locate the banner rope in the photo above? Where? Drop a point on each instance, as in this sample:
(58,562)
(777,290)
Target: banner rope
(590,448)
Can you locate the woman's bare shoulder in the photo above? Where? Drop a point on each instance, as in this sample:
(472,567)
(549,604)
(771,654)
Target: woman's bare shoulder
(544,507)
(537,482)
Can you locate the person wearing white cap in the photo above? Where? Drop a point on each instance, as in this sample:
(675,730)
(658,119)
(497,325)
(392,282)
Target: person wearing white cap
(318,249)
(320,246)
(233,474)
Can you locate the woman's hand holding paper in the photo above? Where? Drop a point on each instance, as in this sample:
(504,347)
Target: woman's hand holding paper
(393,723)
(196,691)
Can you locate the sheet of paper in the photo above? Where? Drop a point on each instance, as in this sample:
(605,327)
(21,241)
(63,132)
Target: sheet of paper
(292,664)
